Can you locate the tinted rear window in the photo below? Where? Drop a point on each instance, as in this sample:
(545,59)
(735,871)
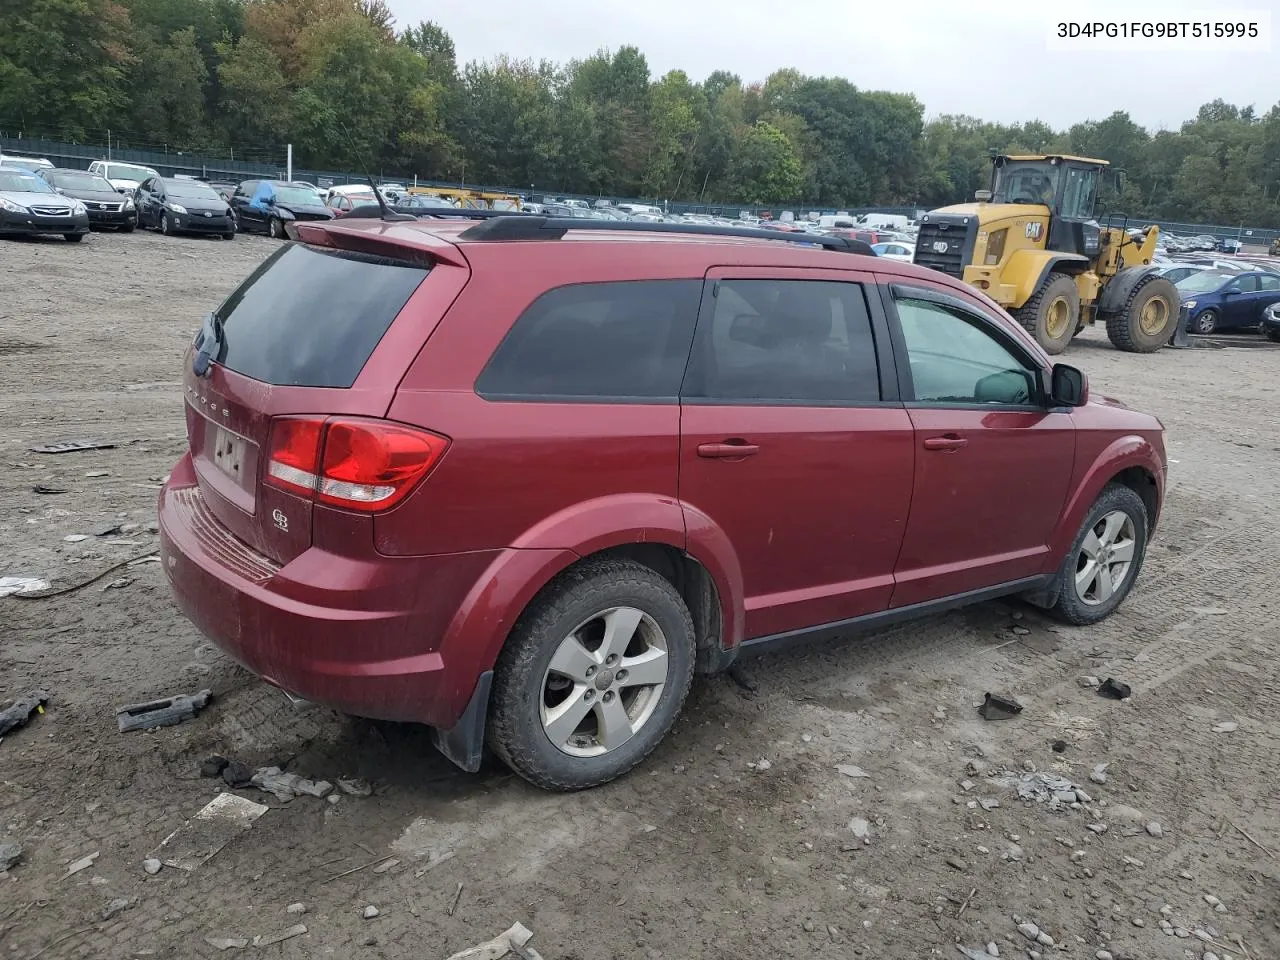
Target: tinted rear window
(312,318)
(621,340)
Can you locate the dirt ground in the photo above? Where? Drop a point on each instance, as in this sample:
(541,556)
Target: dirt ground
(701,852)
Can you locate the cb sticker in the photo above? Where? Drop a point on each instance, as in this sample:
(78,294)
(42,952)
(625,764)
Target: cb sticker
(281,520)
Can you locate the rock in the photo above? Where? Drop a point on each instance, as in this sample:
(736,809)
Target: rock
(850,770)
(1185,875)
(1134,862)
(213,765)
(806,737)
(1065,796)
(236,774)
(1103,955)
(1155,829)
(370,912)
(355,787)
(1211,900)
(1044,939)
(10,854)
(1083,797)
(227,943)
(296,908)
(118,905)
(1089,682)
(988,804)
(76,538)
(760,766)
(1098,828)
(1229,726)
(1182,933)
(957,863)
(1077,856)
(861,828)
(993,949)
(1138,922)
(809,926)
(1166,911)
(967,785)
(333,799)
(1208,955)
(1029,930)
(1099,774)
(152,866)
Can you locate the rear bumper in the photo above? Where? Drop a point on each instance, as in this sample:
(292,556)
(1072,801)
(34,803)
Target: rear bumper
(34,223)
(363,635)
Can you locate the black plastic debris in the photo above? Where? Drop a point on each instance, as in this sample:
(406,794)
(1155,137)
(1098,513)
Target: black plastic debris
(995,707)
(161,713)
(49,491)
(237,774)
(21,710)
(1114,689)
(213,766)
(73,446)
(1059,746)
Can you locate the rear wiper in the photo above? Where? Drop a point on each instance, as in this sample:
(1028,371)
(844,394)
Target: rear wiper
(208,344)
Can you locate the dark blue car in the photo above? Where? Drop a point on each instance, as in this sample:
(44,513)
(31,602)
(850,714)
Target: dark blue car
(1228,301)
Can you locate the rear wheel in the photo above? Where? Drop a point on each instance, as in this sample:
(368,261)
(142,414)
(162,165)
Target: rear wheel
(592,677)
(1105,559)
(1146,321)
(1053,313)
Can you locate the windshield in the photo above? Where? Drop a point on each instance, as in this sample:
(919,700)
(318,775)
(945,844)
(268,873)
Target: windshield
(81,181)
(1202,282)
(119,171)
(189,190)
(21,181)
(296,195)
(1026,181)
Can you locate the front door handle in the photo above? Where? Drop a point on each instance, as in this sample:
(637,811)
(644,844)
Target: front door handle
(728,450)
(948,442)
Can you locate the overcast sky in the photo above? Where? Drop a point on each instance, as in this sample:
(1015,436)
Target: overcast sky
(988,59)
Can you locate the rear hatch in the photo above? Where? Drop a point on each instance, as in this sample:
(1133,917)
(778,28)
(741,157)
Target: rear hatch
(315,333)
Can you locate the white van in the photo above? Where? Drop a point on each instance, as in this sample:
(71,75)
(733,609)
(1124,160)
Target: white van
(837,222)
(887,221)
(31,163)
(125,177)
(634,208)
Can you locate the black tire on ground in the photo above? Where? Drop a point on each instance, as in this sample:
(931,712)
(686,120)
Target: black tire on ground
(1206,322)
(127,228)
(1070,606)
(231,235)
(1273,336)
(1052,315)
(1125,327)
(164,224)
(515,729)
(73,237)
(274,228)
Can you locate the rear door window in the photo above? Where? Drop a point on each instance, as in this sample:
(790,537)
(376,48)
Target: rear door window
(625,340)
(312,318)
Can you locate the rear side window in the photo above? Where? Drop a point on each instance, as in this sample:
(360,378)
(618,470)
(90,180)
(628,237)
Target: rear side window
(312,318)
(626,340)
(793,341)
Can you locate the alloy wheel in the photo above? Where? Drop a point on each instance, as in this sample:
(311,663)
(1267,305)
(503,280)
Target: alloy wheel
(1105,558)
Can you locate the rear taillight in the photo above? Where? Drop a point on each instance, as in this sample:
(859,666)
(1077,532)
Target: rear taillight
(366,465)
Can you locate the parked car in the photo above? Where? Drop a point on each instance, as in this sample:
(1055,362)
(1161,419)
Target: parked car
(107,209)
(125,177)
(374,511)
(225,188)
(171,205)
(35,164)
(343,203)
(1177,272)
(895,251)
(1216,300)
(1271,322)
(265,206)
(1229,245)
(28,205)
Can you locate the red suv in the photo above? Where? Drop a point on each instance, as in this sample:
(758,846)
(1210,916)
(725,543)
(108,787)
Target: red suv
(519,479)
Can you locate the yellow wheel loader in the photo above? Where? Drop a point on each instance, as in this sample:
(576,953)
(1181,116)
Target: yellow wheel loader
(1032,244)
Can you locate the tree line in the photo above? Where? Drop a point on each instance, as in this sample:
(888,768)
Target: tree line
(351,90)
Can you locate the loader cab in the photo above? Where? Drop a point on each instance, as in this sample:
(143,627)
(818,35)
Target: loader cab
(1068,186)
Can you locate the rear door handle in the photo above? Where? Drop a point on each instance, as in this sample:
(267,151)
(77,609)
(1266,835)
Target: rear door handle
(949,442)
(728,450)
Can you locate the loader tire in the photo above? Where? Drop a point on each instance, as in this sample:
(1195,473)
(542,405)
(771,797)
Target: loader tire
(1052,314)
(1148,318)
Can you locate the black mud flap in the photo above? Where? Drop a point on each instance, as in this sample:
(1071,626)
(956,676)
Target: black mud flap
(1179,338)
(463,743)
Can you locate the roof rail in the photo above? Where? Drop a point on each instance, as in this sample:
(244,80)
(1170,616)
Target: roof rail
(529,227)
(372,211)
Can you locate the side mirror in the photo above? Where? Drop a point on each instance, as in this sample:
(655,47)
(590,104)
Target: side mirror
(1069,387)
(1231,291)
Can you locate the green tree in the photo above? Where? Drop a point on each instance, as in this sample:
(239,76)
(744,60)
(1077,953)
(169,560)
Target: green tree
(167,95)
(255,106)
(766,166)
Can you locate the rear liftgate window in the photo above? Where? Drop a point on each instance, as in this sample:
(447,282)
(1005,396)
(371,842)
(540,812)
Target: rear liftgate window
(312,318)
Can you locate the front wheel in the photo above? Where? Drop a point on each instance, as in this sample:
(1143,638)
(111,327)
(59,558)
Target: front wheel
(1273,334)
(1105,558)
(592,677)
(166,227)
(127,228)
(275,229)
(1206,322)
(1052,315)
(73,237)
(230,235)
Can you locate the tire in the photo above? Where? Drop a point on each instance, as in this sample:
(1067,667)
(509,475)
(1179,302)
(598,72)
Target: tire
(1052,314)
(165,228)
(1206,322)
(127,228)
(73,237)
(1273,335)
(229,236)
(1141,325)
(275,229)
(1080,606)
(520,713)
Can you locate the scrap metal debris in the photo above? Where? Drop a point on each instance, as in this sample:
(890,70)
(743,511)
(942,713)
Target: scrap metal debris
(198,840)
(20,712)
(296,930)
(161,713)
(1114,689)
(995,707)
(286,786)
(227,943)
(84,863)
(73,446)
(48,491)
(20,585)
(1042,787)
(516,937)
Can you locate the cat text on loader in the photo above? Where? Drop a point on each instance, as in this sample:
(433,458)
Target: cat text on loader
(1031,243)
